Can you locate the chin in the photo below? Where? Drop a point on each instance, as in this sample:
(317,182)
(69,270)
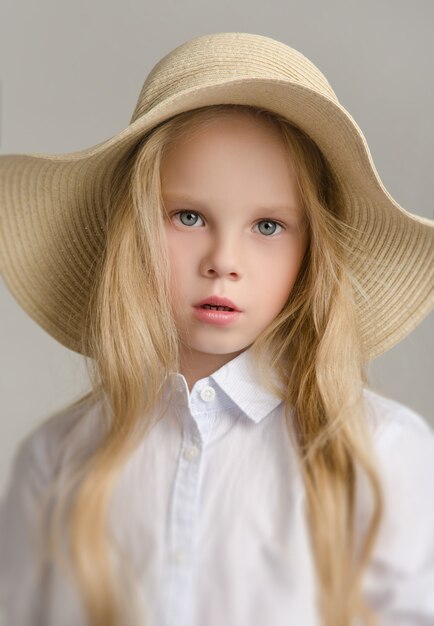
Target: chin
(218,347)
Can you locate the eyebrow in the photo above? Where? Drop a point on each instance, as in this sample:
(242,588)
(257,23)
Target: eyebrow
(270,209)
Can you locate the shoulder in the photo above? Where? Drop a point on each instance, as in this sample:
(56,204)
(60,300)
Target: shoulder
(41,453)
(38,462)
(404,442)
(390,419)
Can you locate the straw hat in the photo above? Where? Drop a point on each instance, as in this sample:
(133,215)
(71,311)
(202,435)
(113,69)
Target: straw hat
(52,230)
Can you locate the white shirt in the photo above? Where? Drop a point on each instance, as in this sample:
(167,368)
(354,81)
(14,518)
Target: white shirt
(210,509)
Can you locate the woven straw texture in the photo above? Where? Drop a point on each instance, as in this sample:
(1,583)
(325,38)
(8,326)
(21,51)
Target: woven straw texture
(52,219)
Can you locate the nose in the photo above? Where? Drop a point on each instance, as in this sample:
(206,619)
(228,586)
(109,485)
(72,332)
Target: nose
(222,258)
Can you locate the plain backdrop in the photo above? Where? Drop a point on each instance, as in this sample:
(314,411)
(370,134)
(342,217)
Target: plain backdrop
(70,76)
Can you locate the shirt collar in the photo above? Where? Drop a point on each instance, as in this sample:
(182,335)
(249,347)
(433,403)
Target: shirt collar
(237,383)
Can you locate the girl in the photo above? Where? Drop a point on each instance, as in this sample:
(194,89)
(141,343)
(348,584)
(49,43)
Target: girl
(229,264)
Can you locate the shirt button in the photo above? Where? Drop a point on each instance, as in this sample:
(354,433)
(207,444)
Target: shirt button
(191,453)
(207,394)
(179,555)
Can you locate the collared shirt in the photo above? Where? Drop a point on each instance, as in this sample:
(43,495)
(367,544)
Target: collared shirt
(210,509)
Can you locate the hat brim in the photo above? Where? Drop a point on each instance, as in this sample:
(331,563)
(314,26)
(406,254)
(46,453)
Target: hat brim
(52,231)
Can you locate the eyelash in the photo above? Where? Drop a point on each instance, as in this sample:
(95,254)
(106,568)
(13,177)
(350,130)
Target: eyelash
(259,222)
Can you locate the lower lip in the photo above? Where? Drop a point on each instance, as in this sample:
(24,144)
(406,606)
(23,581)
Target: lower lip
(218,318)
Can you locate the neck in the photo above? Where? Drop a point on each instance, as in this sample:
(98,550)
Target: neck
(195,365)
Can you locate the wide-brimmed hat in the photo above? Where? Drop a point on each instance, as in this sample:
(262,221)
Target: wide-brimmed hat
(52,227)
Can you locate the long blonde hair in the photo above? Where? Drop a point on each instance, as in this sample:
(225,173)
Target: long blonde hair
(313,345)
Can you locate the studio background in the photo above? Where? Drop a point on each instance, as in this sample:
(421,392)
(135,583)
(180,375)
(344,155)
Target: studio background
(70,75)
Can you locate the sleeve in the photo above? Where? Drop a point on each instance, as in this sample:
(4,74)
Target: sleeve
(400,578)
(22,568)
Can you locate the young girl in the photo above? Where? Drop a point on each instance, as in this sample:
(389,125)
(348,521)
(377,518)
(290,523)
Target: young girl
(228,264)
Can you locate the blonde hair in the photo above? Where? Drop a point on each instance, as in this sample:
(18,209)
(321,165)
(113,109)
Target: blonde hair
(313,345)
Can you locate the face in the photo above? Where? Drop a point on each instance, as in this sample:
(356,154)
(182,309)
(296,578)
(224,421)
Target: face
(235,229)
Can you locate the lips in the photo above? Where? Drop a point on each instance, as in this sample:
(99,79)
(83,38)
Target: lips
(217,301)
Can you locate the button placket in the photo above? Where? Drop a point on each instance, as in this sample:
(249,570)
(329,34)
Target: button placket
(182,522)
(204,402)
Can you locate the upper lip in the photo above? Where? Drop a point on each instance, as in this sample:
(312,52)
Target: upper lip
(217,301)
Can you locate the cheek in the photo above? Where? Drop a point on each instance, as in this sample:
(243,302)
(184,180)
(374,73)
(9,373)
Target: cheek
(275,288)
(180,247)
(181,265)
(275,277)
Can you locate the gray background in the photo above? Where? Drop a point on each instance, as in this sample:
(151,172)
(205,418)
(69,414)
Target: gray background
(70,76)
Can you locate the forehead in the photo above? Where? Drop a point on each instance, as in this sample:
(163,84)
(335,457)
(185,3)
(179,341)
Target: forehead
(230,162)
(219,127)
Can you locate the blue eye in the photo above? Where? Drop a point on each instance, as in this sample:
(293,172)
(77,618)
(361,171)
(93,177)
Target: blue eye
(269,230)
(190,217)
